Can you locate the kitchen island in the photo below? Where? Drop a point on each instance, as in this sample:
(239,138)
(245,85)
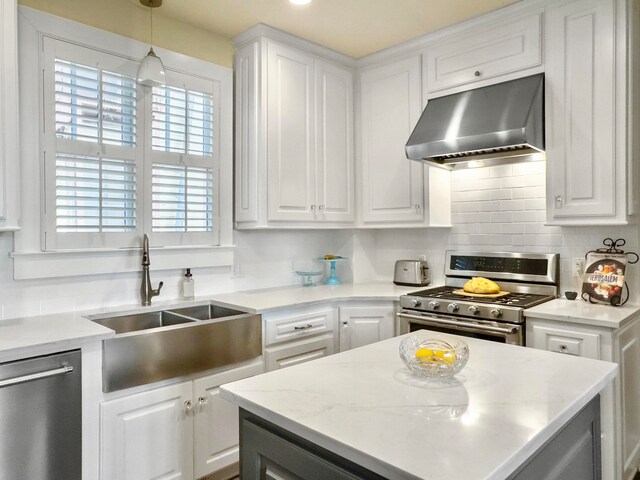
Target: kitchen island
(362,410)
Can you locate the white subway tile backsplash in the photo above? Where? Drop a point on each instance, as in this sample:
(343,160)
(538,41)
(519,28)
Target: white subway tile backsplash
(529,168)
(501,171)
(512,227)
(473,196)
(530,216)
(475,185)
(529,192)
(511,205)
(506,194)
(535,204)
(502,217)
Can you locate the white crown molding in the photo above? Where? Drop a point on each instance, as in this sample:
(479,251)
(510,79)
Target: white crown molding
(495,17)
(263,30)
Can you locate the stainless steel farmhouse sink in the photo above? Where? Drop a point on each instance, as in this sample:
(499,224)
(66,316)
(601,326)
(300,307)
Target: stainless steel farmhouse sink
(142,321)
(153,346)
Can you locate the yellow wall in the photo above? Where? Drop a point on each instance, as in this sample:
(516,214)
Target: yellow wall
(129,18)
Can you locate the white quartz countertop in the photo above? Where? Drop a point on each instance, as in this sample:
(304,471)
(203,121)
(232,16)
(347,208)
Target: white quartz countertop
(259,301)
(581,312)
(363,405)
(19,337)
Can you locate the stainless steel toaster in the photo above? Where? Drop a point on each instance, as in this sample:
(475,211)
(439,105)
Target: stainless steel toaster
(411,273)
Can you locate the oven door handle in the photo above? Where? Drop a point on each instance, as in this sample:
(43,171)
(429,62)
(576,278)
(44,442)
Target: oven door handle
(458,323)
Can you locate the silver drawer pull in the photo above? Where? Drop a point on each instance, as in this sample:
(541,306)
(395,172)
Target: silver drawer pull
(303,327)
(36,376)
(202,401)
(188,406)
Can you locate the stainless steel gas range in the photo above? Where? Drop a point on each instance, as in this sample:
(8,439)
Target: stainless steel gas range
(530,279)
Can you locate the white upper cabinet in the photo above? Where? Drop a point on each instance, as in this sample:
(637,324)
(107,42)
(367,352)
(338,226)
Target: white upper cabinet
(392,186)
(290,134)
(589,168)
(9,140)
(334,143)
(484,53)
(294,133)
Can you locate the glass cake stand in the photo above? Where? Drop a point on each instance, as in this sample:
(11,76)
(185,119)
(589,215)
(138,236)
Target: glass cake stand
(332,279)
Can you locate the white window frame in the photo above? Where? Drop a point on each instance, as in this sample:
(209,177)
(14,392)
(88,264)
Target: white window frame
(201,85)
(31,260)
(51,145)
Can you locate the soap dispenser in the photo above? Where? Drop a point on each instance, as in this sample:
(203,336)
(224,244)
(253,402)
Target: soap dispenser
(187,286)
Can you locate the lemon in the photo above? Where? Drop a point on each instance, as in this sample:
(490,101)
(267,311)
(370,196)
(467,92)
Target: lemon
(446,356)
(424,354)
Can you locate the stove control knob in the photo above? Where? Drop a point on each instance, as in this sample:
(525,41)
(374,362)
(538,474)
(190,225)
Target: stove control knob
(496,312)
(452,307)
(416,302)
(433,305)
(473,310)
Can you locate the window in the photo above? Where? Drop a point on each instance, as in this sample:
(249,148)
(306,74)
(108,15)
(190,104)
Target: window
(120,159)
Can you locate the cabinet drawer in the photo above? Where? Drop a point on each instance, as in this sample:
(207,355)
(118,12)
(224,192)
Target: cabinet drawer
(290,327)
(561,340)
(485,54)
(298,352)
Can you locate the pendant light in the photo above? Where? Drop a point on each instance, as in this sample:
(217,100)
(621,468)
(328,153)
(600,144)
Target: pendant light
(151,70)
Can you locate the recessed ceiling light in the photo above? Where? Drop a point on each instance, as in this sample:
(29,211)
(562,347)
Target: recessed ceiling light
(300,2)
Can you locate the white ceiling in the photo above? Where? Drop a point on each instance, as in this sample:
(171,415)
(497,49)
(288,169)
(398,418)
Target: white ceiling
(353,27)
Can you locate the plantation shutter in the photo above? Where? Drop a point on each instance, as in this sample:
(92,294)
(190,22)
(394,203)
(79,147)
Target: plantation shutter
(92,150)
(184,171)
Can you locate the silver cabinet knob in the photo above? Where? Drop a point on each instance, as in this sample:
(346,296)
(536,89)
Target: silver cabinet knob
(320,207)
(434,305)
(417,206)
(452,307)
(473,310)
(558,201)
(477,73)
(202,401)
(496,312)
(415,302)
(563,348)
(313,207)
(188,406)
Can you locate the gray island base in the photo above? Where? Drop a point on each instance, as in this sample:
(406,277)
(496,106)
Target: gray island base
(511,413)
(268,452)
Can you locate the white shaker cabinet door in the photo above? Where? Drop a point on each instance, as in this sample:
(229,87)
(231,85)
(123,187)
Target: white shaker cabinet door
(149,435)
(290,134)
(9,138)
(585,173)
(392,186)
(216,421)
(334,143)
(361,326)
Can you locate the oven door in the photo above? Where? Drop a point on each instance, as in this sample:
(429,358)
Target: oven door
(502,332)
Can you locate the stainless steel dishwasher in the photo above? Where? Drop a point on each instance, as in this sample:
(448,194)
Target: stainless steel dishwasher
(41,418)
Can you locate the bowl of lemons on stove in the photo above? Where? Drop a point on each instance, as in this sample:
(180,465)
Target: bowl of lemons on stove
(433,357)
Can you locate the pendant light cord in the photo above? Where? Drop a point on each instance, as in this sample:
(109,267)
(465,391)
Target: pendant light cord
(151,22)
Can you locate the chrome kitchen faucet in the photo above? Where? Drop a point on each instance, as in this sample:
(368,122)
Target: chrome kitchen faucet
(146,292)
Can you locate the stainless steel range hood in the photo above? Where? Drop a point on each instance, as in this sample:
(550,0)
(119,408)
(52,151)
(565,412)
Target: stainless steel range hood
(501,123)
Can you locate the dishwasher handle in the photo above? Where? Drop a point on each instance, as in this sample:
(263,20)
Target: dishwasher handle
(36,376)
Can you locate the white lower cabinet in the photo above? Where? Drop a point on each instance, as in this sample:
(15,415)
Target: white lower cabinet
(178,432)
(298,335)
(620,402)
(364,325)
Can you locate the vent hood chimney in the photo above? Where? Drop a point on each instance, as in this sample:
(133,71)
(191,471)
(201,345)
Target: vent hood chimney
(498,124)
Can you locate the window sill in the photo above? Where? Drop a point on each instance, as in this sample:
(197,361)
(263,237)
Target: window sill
(70,263)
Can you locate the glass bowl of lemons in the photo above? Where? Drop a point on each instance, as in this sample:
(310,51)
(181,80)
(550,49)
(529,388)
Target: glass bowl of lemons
(433,357)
